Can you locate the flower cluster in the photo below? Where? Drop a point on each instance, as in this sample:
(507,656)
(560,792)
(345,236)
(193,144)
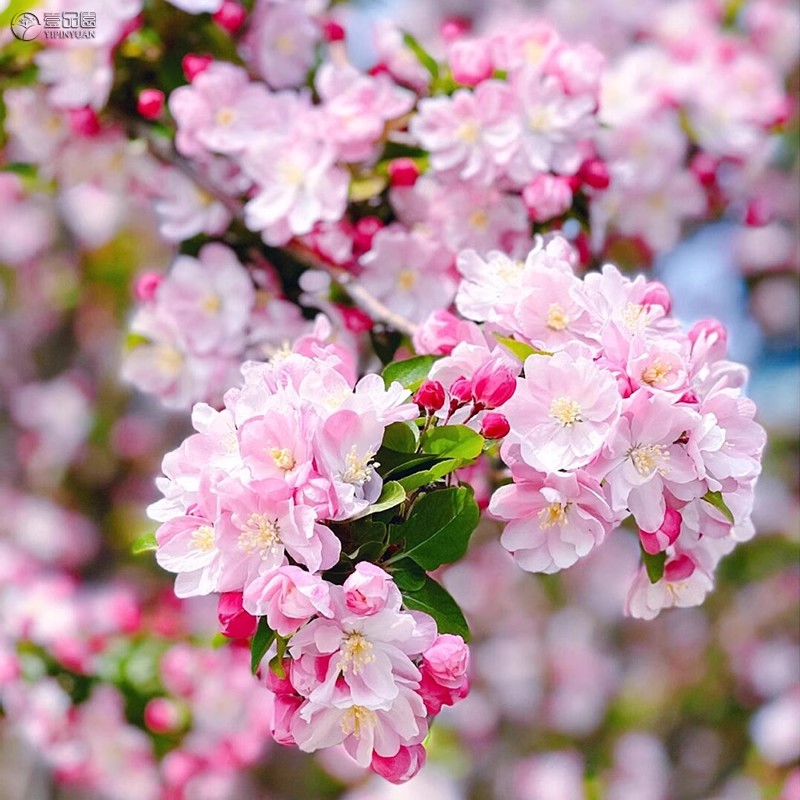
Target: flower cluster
(250,503)
(199,322)
(617,412)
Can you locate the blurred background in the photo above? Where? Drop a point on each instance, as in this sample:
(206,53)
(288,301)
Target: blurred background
(112,688)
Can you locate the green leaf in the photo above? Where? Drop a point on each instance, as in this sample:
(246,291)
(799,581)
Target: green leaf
(144,544)
(276,662)
(408,575)
(409,373)
(431,475)
(435,600)
(369,540)
(362,189)
(453,441)
(425,58)
(263,638)
(520,349)
(438,528)
(395,465)
(716,500)
(654,564)
(400,436)
(392,495)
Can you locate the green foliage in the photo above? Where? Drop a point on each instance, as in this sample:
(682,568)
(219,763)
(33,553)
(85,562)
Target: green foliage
(716,500)
(146,543)
(654,564)
(438,528)
(409,373)
(263,638)
(434,599)
(453,441)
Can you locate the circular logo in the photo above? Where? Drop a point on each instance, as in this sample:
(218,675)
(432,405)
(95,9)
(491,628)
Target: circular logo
(26,26)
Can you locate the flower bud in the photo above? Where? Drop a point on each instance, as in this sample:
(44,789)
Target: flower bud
(430,396)
(366,591)
(460,391)
(332,31)
(285,707)
(493,384)
(494,426)
(356,320)
(194,64)
(712,335)
(146,286)
(84,121)
(704,168)
(679,569)
(363,233)
(657,294)
(547,196)
(235,622)
(150,103)
(162,715)
(447,661)
(758,213)
(594,173)
(470,61)
(453,28)
(403,172)
(230,17)
(401,767)
(656,541)
(438,334)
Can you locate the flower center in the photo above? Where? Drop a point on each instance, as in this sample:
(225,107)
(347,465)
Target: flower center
(282,457)
(212,304)
(357,468)
(406,279)
(557,319)
(356,718)
(225,117)
(479,220)
(260,536)
(565,411)
(284,44)
(552,514)
(540,119)
(169,360)
(203,539)
(468,132)
(290,174)
(656,372)
(649,458)
(355,653)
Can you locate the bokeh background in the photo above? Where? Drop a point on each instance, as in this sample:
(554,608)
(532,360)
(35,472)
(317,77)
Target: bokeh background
(569,699)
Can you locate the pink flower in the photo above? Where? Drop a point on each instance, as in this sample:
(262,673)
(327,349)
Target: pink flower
(563,412)
(442,331)
(235,622)
(682,586)
(357,108)
(402,766)
(645,455)
(289,597)
(656,541)
(409,272)
(493,383)
(220,111)
(470,61)
(547,196)
(298,184)
(469,135)
(447,661)
(554,519)
(281,42)
(368,589)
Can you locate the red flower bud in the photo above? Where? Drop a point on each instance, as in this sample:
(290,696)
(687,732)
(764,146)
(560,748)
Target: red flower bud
(235,622)
(461,391)
(146,286)
(332,31)
(493,384)
(356,320)
(430,396)
(403,172)
(230,16)
(84,121)
(364,233)
(194,64)
(594,173)
(494,426)
(150,103)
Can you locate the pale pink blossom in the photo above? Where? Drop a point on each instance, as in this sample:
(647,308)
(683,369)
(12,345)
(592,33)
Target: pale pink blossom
(553,519)
(288,597)
(367,591)
(562,413)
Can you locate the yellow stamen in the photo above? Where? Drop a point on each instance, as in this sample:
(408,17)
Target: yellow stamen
(565,411)
(203,539)
(557,319)
(553,514)
(260,536)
